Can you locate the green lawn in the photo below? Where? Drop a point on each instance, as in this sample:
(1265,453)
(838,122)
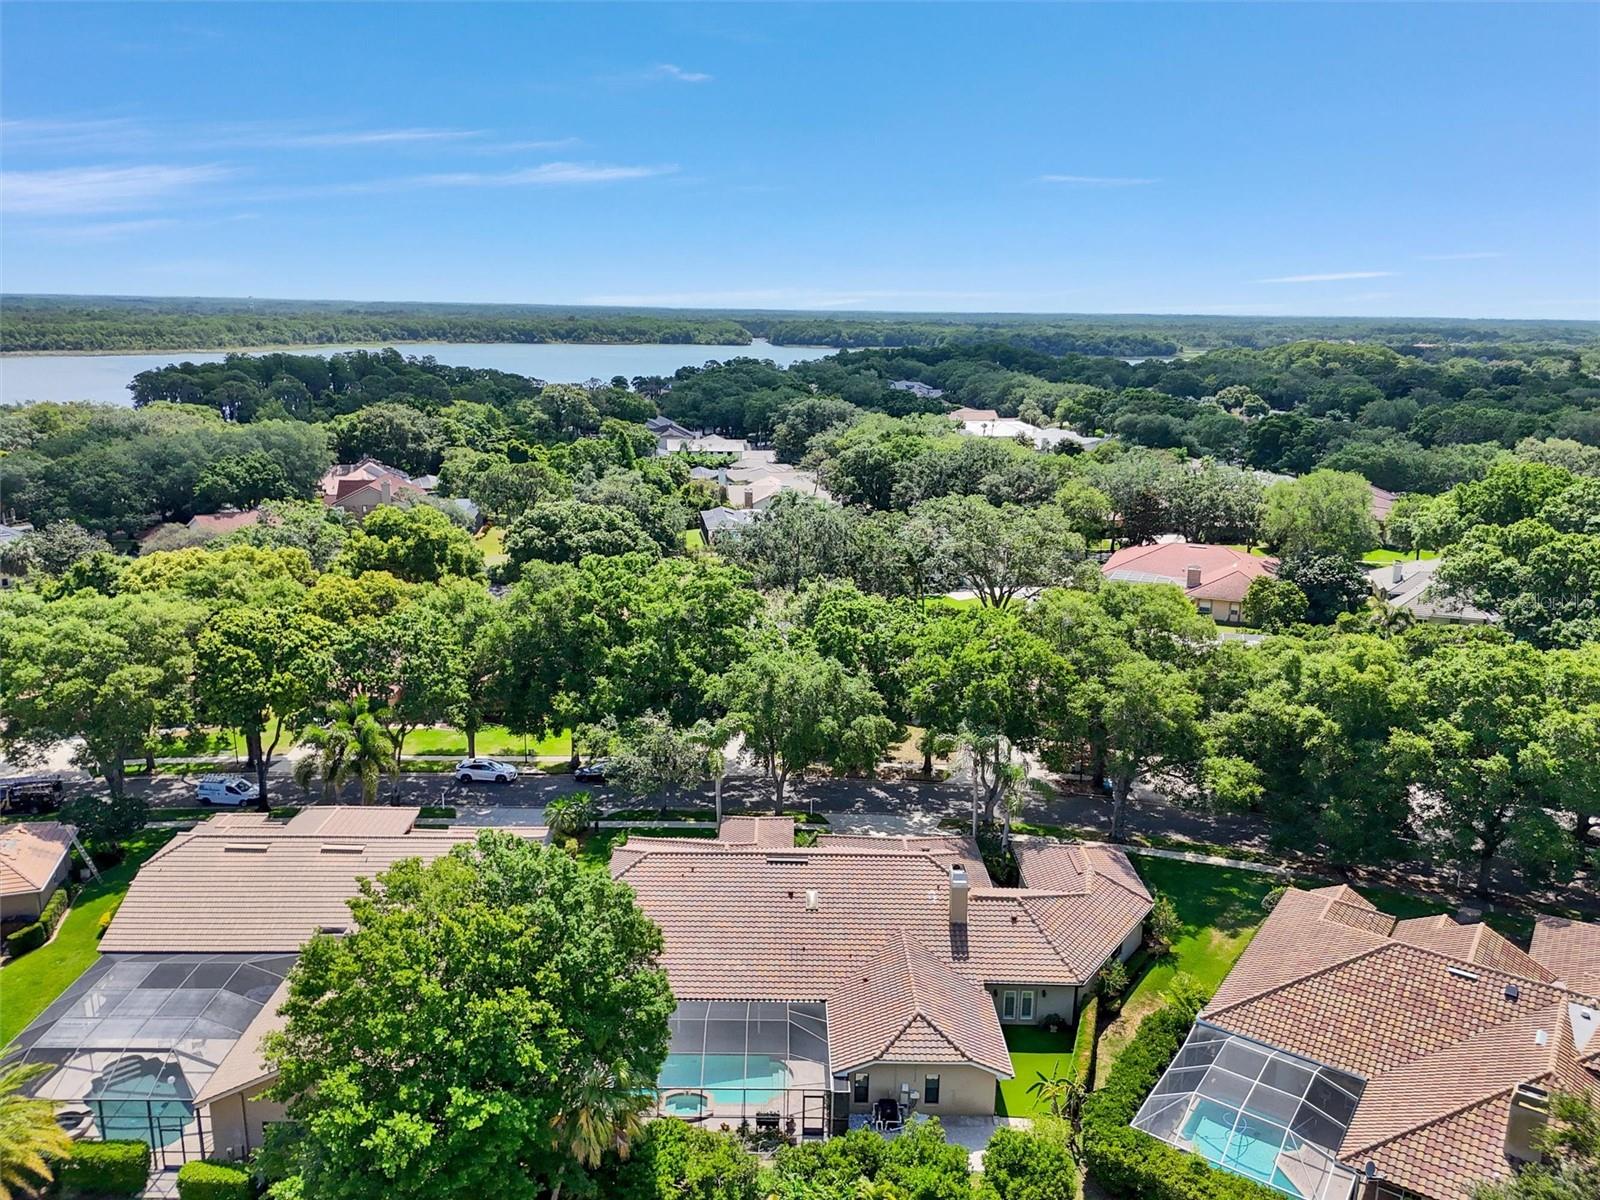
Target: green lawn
(595,847)
(1380,557)
(694,540)
(1258,551)
(34,980)
(491,540)
(1220,908)
(1033,1050)
(492,739)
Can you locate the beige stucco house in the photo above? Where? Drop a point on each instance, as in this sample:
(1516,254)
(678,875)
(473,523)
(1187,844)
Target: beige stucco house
(895,963)
(35,858)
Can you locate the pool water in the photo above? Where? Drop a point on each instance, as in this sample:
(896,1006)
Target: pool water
(1250,1149)
(726,1078)
(140,1099)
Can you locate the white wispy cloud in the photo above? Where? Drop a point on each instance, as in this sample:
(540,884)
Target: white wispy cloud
(1329,277)
(363,137)
(125,136)
(676,74)
(1096,180)
(551,174)
(98,189)
(1462,256)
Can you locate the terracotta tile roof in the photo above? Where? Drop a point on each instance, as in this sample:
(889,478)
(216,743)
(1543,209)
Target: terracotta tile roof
(219,523)
(30,855)
(1443,1020)
(1289,947)
(745,922)
(1472,942)
(1570,950)
(1225,574)
(757,831)
(242,882)
(1075,868)
(906,1006)
(946,848)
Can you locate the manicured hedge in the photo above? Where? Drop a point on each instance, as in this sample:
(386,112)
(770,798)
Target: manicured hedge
(1083,1042)
(105,1169)
(214,1181)
(29,937)
(1129,1163)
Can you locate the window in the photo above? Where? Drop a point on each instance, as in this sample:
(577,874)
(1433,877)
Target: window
(1008,1006)
(858,1088)
(1026,1013)
(930,1089)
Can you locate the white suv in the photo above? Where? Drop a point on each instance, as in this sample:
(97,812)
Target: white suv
(484,770)
(226,789)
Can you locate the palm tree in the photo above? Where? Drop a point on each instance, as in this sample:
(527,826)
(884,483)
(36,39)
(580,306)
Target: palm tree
(29,1135)
(1061,1094)
(604,1114)
(351,744)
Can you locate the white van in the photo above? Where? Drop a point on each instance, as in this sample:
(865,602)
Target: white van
(226,789)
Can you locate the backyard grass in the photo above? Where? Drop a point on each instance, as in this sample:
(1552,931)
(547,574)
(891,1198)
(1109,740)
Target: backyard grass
(492,740)
(1034,1051)
(595,847)
(1380,557)
(31,982)
(693,540)
(491,540)
(1220,909)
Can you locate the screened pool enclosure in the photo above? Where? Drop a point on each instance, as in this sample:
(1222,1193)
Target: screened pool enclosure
(137,1036)
(761,1061)
(1257,1111)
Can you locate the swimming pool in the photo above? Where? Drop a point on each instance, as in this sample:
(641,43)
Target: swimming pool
(730,1079)
(141,1099)
(1249,1148)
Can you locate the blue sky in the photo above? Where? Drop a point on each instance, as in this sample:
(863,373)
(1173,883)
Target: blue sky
(1305,159)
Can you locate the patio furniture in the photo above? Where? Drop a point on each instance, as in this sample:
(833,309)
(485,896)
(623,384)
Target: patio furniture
(767,1120)
(887,1114)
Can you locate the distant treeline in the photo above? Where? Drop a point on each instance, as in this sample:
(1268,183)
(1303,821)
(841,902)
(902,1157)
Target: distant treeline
(133,323)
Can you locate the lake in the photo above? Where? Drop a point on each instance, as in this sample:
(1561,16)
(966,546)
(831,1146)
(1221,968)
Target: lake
(104,378)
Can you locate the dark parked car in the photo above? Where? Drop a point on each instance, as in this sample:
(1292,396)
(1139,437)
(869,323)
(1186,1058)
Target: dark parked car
(594,772)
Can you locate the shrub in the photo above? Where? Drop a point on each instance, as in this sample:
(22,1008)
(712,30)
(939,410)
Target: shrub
(1163,924)
(1034,1164)
(1083,1042)
(1129,1163)
(214,1181)
(104,924)
(29,937)
(1113,983)
(105,1169)
(55,908)
(570,814)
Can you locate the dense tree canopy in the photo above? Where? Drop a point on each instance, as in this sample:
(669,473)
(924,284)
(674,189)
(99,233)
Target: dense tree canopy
(534,1017)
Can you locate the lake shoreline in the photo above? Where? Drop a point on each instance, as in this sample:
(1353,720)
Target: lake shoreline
(312,347)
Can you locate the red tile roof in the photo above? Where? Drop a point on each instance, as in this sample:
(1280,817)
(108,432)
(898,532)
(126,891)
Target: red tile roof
(906,1006)
(1570,950)
(1224,574)
(1444,1020)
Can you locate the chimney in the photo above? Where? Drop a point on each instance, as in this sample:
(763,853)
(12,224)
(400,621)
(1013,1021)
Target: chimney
(1529,1111)
(1398,575)
(958,894)
(383,491)
(1191,577)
